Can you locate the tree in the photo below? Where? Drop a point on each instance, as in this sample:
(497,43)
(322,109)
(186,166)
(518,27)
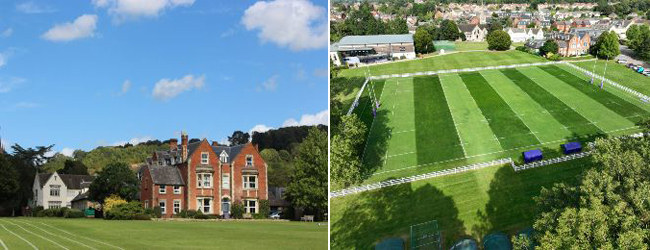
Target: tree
(27,162)
(308,186)
(423,41)
(116,178)
(279,168)
(641,42)
(239,138)
(448,30)
(397,26)
(494,26)
(550,46)
(499,40)
(632,35)
(607,45)
(346,151)
(9,184)
(608,209)
(74,167)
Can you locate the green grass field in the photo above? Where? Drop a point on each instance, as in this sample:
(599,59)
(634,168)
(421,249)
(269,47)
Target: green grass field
(470,204)
(57,233)
(430,123)
(620,74)
(450,61)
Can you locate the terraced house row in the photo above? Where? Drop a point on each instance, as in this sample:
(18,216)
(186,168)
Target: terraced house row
(204,176)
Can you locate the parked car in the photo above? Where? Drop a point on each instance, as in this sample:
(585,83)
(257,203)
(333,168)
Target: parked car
(646,73)
(275,215)
(622,61)
(630,65)
(640,69)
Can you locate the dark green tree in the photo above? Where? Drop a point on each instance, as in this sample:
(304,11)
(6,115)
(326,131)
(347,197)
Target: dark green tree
(27,162)
(9,182)
(346,150)
(239,138)
(116,178)
(499,40)
(632,35)
(606,46)
(448,30)
(74,167)
(423,41)
(550,46)
(308,186)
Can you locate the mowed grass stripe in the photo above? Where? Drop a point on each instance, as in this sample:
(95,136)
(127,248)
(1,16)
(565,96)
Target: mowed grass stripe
(536,117)
(505,124)
(609,100)
(572,120)
(475,133)
(375,148)
(436,136)
(401,117)
(601,116)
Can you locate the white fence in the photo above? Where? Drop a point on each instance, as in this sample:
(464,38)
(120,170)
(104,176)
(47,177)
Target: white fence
(443,71)
(643,97)
(356,100)
(551,161)
(393,182)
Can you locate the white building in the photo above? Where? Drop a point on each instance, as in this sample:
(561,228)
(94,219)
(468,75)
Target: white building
(473,32)
(522,35)
(58,190)
(372,48)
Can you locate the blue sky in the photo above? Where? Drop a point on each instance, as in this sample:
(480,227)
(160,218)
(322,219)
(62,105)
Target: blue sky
(80,74)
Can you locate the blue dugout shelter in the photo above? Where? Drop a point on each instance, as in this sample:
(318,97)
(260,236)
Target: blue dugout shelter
(571,148)
(532,155)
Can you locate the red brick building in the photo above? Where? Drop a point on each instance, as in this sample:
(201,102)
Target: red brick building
(577,44)
(204,176)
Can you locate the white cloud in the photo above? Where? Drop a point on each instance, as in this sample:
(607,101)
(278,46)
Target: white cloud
(309,119)
(228,33)
(297,24)
(7,33)
(126,86)
(166,89)
(270,84)
(259,128)
(134,141)
(33,8)
(67,152)
(9,83)
(123,10)
(83,26)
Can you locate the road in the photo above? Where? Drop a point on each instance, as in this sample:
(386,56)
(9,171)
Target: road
(627,54)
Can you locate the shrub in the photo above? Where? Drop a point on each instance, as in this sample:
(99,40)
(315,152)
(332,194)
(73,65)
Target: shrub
(237,210)
(259,216)
(125,211)
(142,217)
(201,216)
(265,209)
(554,57)
(36,210)
(112,201)
(73,213)
(402,57)
(498,40)
(157,212)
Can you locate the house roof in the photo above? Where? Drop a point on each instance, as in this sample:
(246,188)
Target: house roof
(276,199)
(166,175)
(231,151)
(71,181)
(349,40)
(81,196)
(466,27)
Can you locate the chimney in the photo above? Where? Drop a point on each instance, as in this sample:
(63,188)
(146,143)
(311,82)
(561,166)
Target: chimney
(184,145)
(173,143)
(215,143)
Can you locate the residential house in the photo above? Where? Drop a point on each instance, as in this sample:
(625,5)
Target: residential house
(522,35)
(581,24)
(473,33)
(374,48)
(204,176)
(577,44)
(59,190)
(562,26)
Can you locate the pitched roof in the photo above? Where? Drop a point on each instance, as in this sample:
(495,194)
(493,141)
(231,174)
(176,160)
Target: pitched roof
(71,181)
(276,199)
(166,175)
(231,151)
(349,40)
(81,196)
(466,27)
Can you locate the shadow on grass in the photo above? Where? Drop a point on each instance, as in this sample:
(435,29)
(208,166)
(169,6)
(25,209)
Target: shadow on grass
(377,144)
(389,212)
(345,85)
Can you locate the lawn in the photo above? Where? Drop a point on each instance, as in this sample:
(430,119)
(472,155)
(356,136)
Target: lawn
(50,233)
(465,46)
(430,123)
(620,74)
(470,204)
(449,61)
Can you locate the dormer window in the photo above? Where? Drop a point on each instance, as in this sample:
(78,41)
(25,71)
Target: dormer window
(205,158)
(223,157)
(249,160)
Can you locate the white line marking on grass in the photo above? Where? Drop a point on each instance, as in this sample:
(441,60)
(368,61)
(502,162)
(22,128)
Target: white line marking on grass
(444,93)
(25,240)
(57,235)
(372,124)
(513,110)
(38,235)
(3,245)
(81,236)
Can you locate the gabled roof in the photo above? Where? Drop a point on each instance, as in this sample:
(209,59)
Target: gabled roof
(374,39)
(231,151)
(166,175)
(71,181)
(467,27)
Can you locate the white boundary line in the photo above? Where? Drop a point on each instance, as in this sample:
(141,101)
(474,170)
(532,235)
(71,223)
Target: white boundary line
(356,100)
(451,113)
(25,240)
(38,235)
(56,234)
(365,147)
(513,110)
(82,236)
(3,245)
